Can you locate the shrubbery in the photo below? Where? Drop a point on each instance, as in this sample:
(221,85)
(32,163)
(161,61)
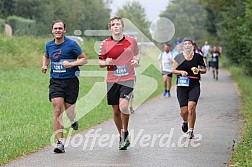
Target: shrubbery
(21,26)
(2,23)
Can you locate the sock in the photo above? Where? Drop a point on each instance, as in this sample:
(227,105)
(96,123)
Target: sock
(125,135)
(60,141)
(190,129)
(73,121)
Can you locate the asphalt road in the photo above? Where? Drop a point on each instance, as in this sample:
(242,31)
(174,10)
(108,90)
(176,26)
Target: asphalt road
(156,136)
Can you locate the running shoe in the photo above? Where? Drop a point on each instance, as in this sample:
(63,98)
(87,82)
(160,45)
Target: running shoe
(164,93)
(59,148)
(131,109)
(185,127)
(75,125)
(120,144)
(124,144)
(190,134)
(169,94)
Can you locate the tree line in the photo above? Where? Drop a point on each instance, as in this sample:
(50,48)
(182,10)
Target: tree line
(230,21)
(77,14)
(227,23)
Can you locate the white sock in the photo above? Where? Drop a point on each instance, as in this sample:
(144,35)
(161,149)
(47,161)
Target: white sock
(61,140)
(74,120)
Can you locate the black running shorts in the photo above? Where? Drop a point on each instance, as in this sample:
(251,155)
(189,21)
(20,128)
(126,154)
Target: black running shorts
(169,74)
(115,91)
(186,94)
(215,65)
(65,88)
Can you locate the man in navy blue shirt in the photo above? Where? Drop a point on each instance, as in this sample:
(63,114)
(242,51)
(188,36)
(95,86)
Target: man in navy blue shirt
(64,56)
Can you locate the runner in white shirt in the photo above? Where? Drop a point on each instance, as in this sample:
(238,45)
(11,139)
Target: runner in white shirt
(206,52)
(165,60)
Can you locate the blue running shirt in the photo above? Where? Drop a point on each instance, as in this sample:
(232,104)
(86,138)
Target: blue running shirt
(69,50)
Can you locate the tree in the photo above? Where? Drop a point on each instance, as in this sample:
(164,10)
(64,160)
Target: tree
(77,14)
(136,14)
(188,17)
(232,22)
(6,8)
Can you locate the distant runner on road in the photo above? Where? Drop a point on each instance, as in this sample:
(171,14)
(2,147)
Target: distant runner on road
(165,60)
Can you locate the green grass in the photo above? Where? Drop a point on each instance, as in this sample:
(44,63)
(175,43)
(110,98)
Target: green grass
(21,51)
(243,151)
(26,113)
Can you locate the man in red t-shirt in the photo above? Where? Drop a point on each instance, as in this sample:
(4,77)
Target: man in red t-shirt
(120,54)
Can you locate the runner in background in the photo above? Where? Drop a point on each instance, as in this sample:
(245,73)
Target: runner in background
(215,55)
(131,109)
(165,60)
(206,49)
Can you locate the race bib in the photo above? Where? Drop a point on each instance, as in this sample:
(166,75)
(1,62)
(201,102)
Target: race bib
(183,81)
(121,70)
(167,65)
(214,59)
(58,67)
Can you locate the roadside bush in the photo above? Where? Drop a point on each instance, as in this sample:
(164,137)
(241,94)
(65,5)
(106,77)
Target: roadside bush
(21,26)
(2,22)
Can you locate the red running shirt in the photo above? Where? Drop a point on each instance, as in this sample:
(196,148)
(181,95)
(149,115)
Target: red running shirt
(122,53)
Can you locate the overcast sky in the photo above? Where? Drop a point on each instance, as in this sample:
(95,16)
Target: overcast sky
(152,7)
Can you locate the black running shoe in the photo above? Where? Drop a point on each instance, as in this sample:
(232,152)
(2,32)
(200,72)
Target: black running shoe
(190,134)
(120,143)
(59,148)
(131,110)
(75,125)
(124,144)
(185,127)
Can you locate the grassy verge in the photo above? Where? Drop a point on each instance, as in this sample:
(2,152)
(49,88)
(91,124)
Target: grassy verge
(26,113)
(242,155)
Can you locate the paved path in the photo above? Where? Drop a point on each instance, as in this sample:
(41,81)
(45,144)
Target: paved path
(157,139)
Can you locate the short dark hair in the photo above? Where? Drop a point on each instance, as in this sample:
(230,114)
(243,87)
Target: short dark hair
(188,39)
(59,21)
(115,18)
(167,44)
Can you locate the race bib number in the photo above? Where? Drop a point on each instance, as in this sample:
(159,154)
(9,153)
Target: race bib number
(214,59)
(166,65)
(121,70)
(58,67)
(183,81)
